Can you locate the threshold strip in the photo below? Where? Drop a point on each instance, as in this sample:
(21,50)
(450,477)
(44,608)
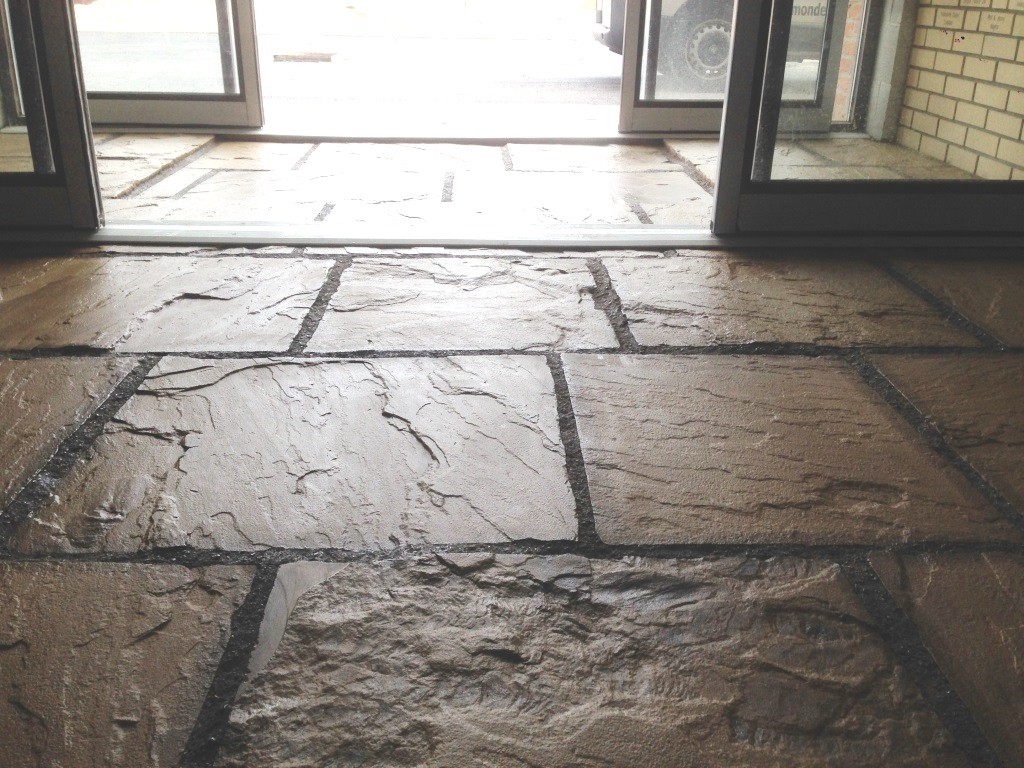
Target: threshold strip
(461,236)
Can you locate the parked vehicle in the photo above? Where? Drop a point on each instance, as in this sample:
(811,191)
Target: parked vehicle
(696,34)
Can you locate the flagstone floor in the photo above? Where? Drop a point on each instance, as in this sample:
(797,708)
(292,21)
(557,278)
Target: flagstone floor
(314,507)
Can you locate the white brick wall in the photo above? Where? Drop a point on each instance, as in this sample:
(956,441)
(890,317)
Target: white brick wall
(964,101)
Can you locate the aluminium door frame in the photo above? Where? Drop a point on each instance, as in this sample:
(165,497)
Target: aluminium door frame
(69,197)
(241,110)
(838,208)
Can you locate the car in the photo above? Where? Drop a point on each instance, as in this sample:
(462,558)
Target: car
(696,35)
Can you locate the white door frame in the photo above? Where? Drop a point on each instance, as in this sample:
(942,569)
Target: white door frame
(636,114)
(241,110)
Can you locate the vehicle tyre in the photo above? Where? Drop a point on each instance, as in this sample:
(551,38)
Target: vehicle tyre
(698,37)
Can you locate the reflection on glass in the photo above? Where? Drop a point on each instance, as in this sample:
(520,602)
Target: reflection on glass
(15,147)
(686,49)
(157,46)
(936,96)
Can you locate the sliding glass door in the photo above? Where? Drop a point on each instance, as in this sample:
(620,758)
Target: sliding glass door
(47,172)
(933,143)
(170,62)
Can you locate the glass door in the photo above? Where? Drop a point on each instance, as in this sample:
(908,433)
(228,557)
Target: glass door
(935,137)
(170,62)
(47,173)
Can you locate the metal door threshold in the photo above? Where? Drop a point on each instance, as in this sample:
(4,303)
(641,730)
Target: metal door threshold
(340,236)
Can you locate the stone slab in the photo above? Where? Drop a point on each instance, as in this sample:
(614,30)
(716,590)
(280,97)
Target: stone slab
(357,454)
(975,400)
(420,304)
(702,153)
(252,156)
(41,403)
(108,664)
(968,608)
(583,158)
(483,660)
(721,449)
(156,304)
(126,161)
(738,299)
(369,159)
(990,292)
(668,199)
(561,199)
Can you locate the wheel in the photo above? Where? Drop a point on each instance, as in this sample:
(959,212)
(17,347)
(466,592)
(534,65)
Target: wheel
(699,36)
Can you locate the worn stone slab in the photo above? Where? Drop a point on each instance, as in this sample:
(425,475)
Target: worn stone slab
(358,454)
(968,608)
(989,292)
(583,158)
(126,161)
(975,400)
(108,664)
(15,153)
(252,156)
(476,659)
(668,199)
(738,299)
(41,402)
(561,199)
(371,159)
(156,304)
(419,304)
(760,449)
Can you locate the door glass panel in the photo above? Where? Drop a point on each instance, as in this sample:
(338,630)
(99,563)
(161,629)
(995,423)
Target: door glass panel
(686,49)
(944,101)
(158,46)
(24,138)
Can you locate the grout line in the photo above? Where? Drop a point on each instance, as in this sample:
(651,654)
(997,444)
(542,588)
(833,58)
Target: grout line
(637,210)
(948,312)
(168,170)
(506,157)
(324,212)
(188,557)
(316,312)
(904,640)
(448,187)
(39,489)
(695,174)
(877,380)
(754,349)
(606,298)
(192,185)
(214,718)
(305,156)
(575,465)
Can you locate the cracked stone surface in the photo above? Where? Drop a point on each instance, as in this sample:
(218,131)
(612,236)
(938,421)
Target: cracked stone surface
(154,304)
(252,156)
(408,304)
(989,292)
(581,158)
(770,449)
(41,402)
(667,198)
(243,455)
(483,660)
(736,299)
(108,664)
(126,161)
(975,401)
(969,609)
(357,157)
(573,199)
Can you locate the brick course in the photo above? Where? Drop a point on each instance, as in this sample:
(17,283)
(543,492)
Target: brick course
(966,69)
